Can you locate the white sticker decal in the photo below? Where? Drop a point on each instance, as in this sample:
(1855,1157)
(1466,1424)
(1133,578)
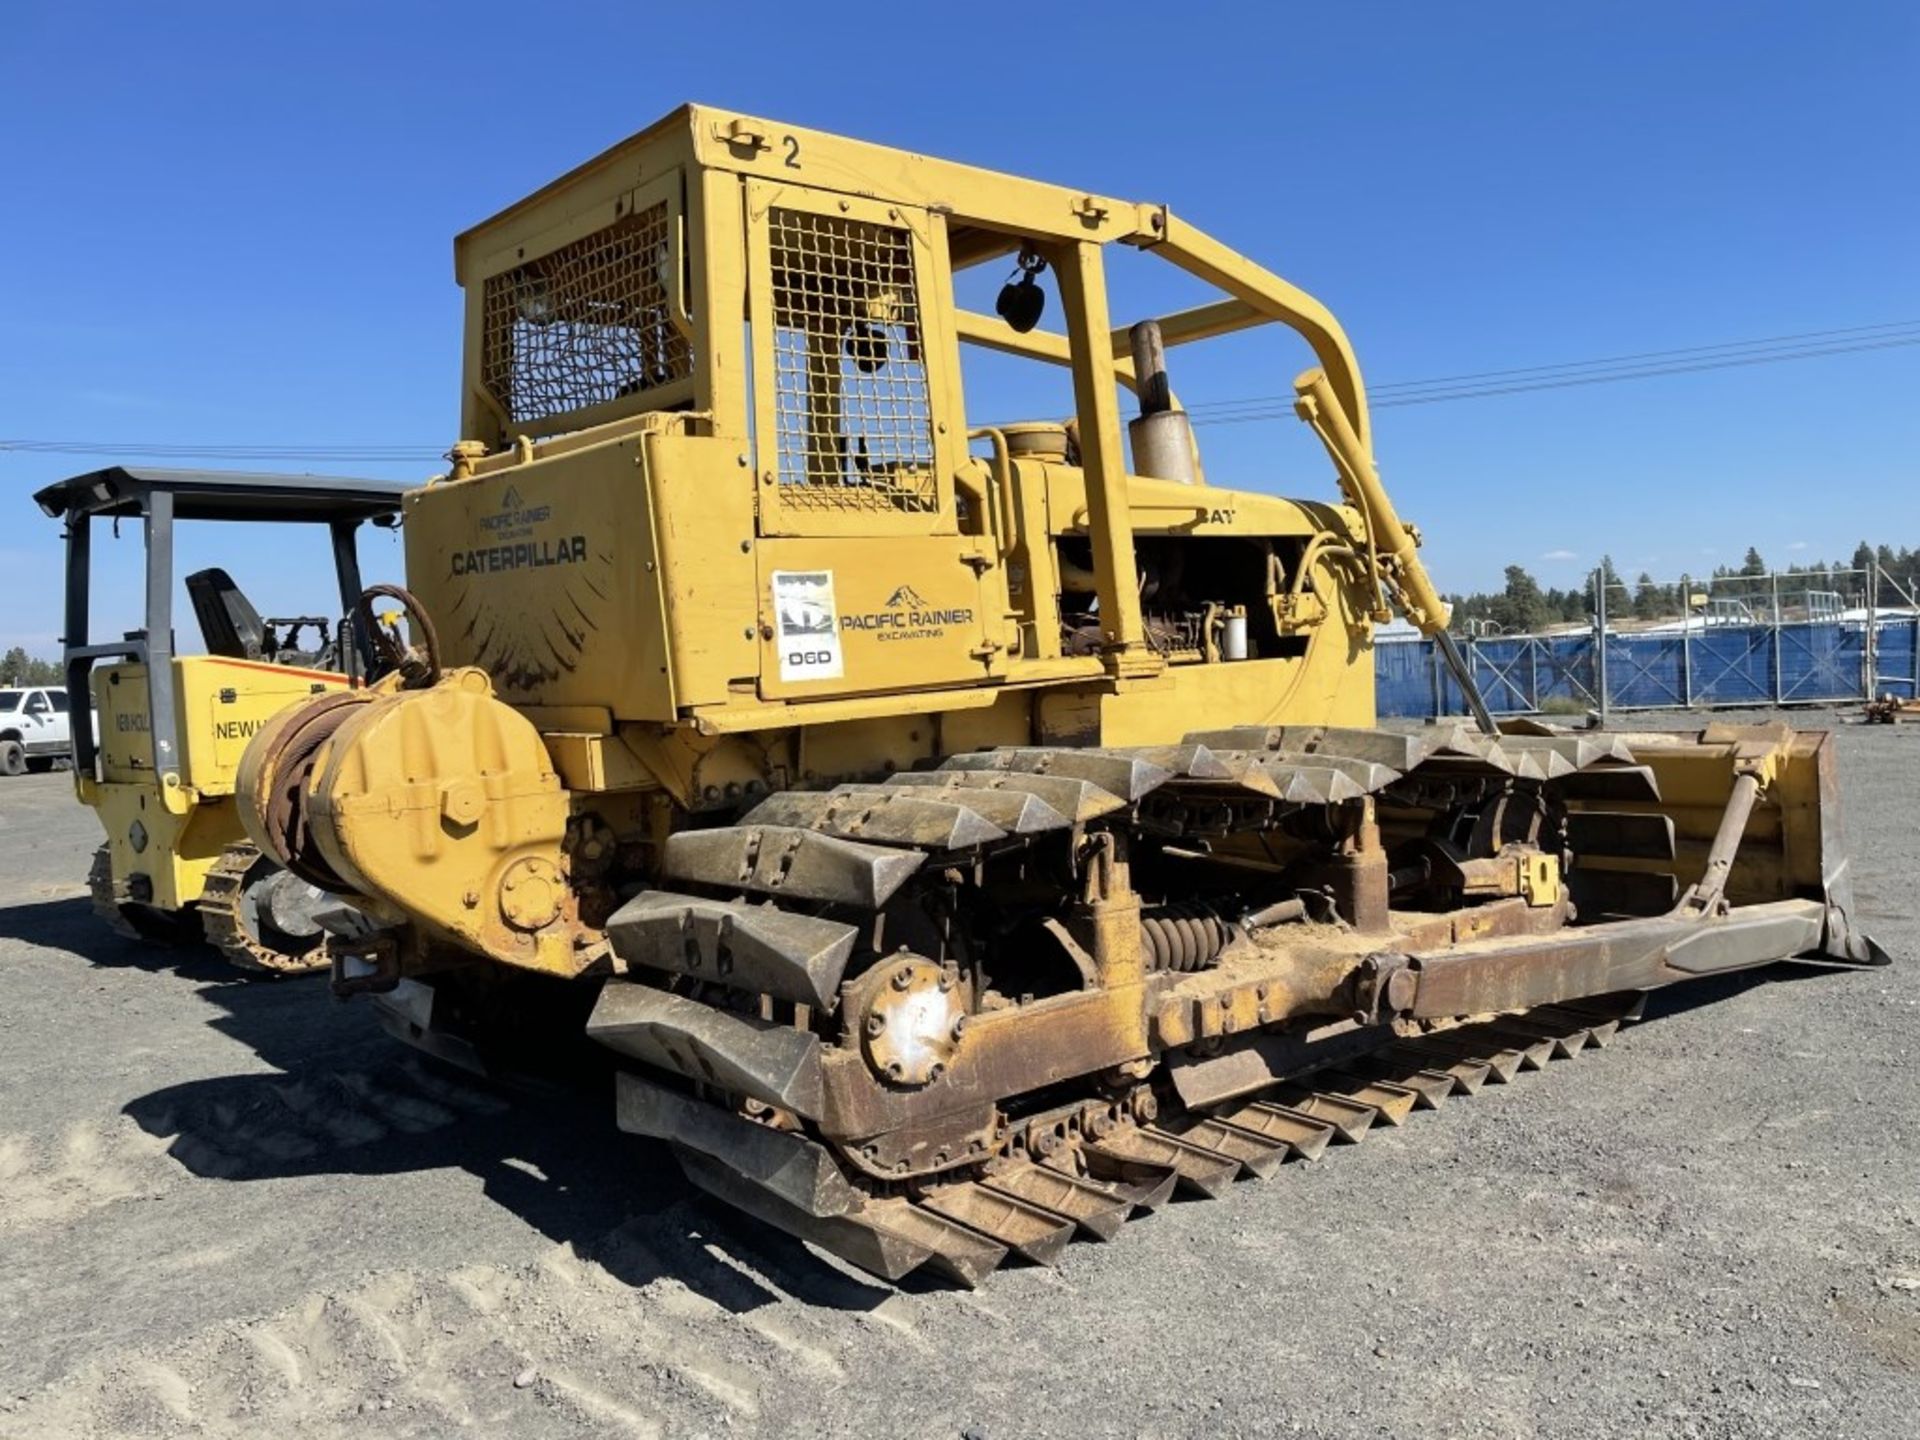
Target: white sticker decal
(809,633)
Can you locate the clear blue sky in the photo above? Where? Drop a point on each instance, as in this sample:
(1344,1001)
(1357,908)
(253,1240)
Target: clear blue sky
(231,223)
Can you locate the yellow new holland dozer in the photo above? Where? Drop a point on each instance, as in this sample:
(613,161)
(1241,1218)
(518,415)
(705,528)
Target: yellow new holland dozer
(959,835)
(158,735)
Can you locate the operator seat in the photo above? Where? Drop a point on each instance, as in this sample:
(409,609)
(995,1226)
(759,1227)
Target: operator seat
(228,622)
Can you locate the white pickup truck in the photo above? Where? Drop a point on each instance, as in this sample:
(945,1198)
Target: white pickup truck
(34,729)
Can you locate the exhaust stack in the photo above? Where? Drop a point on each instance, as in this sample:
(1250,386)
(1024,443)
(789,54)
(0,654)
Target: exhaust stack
(1162,436)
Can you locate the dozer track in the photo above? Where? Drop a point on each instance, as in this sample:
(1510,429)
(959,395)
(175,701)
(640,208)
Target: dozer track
(882,1140)
(228,916)
(1089,1186)
(241,927)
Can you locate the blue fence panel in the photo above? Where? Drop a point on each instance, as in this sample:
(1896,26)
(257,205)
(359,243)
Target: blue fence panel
(1719,665)
(1568,669)
(1646,672)
(1895,651)
(1505,672)
(1822,662)
(1403,677)
(1733,665)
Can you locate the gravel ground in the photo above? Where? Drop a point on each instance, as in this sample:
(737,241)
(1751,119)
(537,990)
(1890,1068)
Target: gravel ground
(231,1208)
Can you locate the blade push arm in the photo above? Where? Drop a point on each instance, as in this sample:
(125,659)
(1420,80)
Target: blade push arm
(1393,540)
(1394,543)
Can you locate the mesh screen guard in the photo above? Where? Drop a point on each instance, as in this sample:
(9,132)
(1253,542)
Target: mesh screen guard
(587,323)
(854,424)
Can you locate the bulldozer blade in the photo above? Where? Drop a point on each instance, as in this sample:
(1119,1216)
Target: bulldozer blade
(781,860)
(1080,801)
(890,818)
(1015,812)
(1306,1138)
(1791,849)
(1206,1171)
(742,1053)
(1622,892)
(1099,1210)
(1116,772)
(1027,1229)
(758,948)
(1631,835)
(796,1170)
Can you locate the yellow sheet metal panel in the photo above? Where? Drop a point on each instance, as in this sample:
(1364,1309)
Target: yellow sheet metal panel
(1330,685)
(174,850)
(224,702)
(853,616)
(728,140)
(545,576)
(219,704)
(702,499)
(126,738)
(1169,507)
(662,146)
(594,764)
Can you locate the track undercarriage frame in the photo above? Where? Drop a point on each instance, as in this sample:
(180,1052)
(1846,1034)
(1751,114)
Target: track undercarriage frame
(1370,921)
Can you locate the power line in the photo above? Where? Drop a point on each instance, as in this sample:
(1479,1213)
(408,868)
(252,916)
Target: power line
(363,454)
(1474,385)
(1279,407)
(1902,329)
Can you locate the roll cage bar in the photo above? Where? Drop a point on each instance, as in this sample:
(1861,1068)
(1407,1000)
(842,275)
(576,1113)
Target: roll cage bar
(159,497)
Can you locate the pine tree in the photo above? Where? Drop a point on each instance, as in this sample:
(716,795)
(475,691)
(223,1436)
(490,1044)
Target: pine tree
(1521,606)
(1646,598)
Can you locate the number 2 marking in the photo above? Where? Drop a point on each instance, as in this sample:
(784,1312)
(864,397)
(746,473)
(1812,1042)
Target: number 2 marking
(793,151)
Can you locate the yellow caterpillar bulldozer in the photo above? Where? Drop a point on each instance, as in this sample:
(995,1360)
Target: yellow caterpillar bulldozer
(959,836)
(159,768)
